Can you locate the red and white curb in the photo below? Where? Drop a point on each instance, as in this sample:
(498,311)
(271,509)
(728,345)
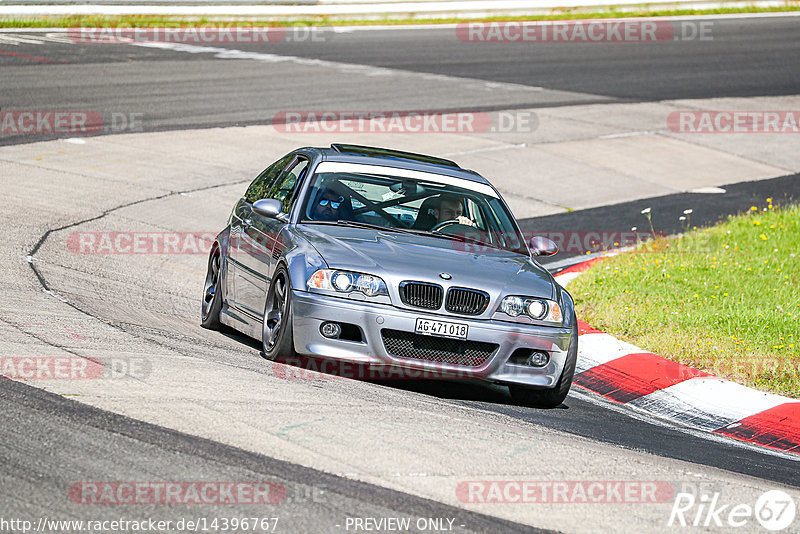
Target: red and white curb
(626,374)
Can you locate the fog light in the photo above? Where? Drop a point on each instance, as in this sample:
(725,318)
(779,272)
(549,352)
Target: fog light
(538,359)
(331,330)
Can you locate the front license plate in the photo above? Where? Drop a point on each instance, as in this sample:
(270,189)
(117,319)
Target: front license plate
(430,327)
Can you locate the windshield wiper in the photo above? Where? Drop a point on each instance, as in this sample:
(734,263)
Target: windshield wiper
(426,233)
(464,238)
(357,224)
(458,237)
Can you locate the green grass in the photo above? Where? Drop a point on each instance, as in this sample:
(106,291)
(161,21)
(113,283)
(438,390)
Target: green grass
(143,21)
(722,299)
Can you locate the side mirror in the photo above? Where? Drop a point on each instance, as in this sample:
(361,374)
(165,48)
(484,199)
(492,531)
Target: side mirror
(543,246)
(269,207)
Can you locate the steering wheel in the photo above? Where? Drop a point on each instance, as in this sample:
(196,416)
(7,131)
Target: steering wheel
(442,224)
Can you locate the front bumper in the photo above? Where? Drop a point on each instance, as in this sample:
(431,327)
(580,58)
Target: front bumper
(310,310)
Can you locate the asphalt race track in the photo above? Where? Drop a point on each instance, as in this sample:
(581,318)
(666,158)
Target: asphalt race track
(172,89)
(49,419)
(204,406)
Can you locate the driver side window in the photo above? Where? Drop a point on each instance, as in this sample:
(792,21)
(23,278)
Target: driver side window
(285,186)
(263,183)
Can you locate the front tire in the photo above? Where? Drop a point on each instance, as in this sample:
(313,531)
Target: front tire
(212,294)
(551,397)
(276,332)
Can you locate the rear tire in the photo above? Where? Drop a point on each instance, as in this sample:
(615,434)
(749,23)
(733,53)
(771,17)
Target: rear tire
(212,295)
(276,333)
(551,397)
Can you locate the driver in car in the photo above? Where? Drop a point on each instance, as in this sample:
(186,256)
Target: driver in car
(451,208)
(331,206)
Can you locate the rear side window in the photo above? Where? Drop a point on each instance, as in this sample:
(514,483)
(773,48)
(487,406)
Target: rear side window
(263,183)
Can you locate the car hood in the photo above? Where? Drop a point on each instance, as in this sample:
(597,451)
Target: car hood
(396,256)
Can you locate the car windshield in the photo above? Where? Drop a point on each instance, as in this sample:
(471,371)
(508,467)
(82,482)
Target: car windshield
(415,202)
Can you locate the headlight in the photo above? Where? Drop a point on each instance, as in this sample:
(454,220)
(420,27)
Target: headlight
(537,309)
(513,306)
(347,282)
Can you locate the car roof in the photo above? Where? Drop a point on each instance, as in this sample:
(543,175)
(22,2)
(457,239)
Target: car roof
(388,157)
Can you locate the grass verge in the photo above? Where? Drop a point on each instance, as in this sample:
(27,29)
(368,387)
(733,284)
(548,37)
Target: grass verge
(148,21)
(723,299)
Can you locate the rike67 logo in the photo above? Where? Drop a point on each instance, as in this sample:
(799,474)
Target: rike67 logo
(774,510)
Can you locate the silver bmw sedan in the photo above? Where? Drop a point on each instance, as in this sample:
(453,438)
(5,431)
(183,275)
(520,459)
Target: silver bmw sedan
(392,260)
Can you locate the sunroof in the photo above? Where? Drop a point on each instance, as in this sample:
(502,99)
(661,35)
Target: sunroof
(376,152)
